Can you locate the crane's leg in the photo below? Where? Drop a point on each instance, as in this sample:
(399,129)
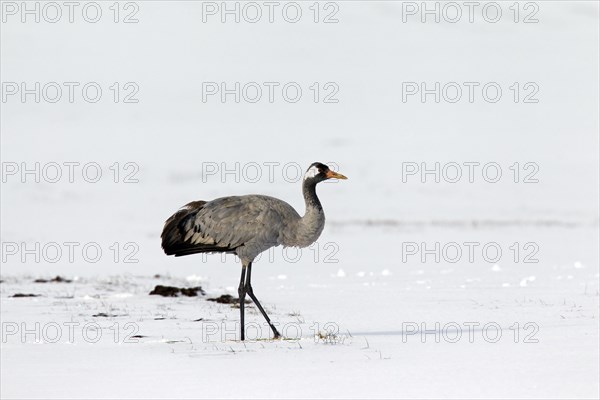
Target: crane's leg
(248,289)
(242,295)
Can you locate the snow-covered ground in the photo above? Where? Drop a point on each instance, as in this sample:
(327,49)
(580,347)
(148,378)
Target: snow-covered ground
(508,309)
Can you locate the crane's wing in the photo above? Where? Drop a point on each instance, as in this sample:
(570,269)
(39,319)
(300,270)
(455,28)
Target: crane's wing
(225,224)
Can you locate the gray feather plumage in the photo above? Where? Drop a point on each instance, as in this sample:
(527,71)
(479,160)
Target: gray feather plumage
(247,226)
(244,225)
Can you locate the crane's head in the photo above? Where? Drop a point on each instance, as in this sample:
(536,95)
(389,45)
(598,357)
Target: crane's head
(321,172)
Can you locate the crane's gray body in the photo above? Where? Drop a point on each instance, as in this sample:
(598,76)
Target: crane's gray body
(244,225)
(247,226)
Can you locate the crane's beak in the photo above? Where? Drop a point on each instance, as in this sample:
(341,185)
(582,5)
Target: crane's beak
(332,174)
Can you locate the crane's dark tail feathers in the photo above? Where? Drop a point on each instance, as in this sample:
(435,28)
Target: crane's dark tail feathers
(176,228)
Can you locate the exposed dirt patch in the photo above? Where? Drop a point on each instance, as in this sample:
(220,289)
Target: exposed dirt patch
(192,291)
(173,291)
(105,315)
(228,299)
(57,279)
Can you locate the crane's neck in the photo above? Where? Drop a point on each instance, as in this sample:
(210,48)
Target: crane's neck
(310,226)
(309,190)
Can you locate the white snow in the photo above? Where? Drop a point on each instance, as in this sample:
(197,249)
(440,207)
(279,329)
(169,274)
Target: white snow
(195,279)
(578,265)
(525,281)
(361,318)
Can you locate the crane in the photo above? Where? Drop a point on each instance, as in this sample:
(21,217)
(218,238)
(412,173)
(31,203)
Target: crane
(247,226)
